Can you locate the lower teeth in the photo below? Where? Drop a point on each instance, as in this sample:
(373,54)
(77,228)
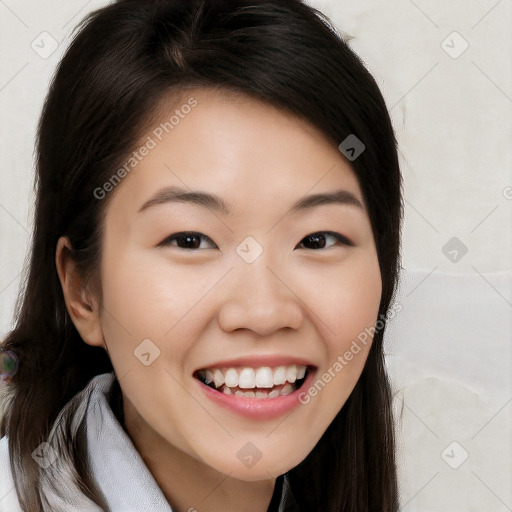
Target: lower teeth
(259,393)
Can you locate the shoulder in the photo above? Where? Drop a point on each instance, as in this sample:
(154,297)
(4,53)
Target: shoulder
(8,497)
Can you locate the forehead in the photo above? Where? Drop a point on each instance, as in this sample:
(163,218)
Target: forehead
(245,151)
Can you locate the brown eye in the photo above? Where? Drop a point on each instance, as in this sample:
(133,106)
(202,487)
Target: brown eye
(186,240)
(318,240)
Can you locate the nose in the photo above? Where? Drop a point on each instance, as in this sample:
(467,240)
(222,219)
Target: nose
(259,298)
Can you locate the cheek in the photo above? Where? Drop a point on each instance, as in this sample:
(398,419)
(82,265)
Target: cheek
(345,300)
(150,299)
(149,296)
(359,301)
(348,307)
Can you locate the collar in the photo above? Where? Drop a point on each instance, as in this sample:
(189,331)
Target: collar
(116,466)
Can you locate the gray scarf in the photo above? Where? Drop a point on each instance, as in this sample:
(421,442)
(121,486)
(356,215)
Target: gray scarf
(116,467)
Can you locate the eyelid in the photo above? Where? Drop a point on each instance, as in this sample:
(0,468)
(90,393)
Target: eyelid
(342,239)
(167,241)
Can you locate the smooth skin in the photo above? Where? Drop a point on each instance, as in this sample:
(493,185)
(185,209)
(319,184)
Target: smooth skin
(199,302)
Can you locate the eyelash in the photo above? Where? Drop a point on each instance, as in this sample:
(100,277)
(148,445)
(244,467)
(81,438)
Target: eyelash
(167,241)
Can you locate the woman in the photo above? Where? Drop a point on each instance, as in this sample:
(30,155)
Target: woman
(215,254)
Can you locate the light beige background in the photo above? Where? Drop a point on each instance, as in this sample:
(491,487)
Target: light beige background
(449,350)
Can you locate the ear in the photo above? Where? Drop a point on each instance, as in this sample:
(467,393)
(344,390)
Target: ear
(82,307)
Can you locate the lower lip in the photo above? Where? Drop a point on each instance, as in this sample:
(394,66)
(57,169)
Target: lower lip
(258,408)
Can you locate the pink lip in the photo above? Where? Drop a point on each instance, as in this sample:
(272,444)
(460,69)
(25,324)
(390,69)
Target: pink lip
(257,408)
(259,361)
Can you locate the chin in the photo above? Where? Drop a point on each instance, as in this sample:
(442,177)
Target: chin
(242,467)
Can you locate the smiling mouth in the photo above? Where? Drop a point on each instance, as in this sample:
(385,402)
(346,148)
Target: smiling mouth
(260,383)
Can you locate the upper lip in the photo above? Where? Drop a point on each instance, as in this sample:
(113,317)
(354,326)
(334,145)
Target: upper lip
(259,361)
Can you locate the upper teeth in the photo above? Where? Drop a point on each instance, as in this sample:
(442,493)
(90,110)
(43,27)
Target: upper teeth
(247,378)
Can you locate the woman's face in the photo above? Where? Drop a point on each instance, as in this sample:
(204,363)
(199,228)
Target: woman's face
(245,293)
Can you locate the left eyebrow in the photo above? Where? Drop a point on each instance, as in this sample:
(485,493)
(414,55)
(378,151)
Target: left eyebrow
(214,202)
(339,197)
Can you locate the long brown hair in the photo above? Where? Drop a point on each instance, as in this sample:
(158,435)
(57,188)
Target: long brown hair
(122,61)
